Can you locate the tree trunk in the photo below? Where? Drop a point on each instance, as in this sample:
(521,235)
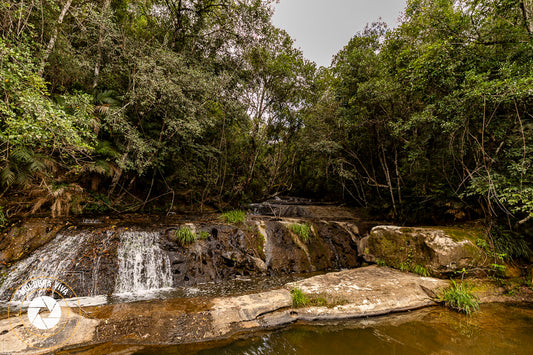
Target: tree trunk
(527,10)
(99,46)
(53,38)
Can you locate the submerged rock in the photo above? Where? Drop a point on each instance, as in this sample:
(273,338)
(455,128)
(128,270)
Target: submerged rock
(440,252)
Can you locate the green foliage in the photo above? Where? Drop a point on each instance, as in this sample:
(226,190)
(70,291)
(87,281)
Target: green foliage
(420,270)
(3,218)
(381,262)
(303,231)
(299,298)
(498,270)
(210,104)
(204,235)
(459,297)
(234,217)
(403,266)
(510,245)
(185,236)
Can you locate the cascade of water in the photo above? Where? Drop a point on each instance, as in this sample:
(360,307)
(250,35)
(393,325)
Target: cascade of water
(142,264)
(55,259)
(96,265)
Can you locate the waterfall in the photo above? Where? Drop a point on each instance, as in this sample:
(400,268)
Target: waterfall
(55,259)
(142,265)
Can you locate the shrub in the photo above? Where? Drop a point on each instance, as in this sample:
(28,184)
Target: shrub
(303,231)
(185,236)
(234,217)
(299,298)
(459,297)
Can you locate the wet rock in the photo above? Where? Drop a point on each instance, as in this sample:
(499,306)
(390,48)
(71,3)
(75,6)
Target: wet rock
(25,237)
(302,208)
(441,252)
(221,252)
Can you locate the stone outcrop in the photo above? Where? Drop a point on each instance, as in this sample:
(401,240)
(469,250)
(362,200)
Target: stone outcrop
(361,292)
(440,251)
(260,246)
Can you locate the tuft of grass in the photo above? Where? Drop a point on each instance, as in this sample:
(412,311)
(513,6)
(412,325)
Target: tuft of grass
(381,262)
(420,270)
(404,266)
(303,231)
(299,298)
(185,236)
(459,297)
(204,235)
(234,217)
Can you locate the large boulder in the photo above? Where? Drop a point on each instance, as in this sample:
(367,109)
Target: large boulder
(438,252)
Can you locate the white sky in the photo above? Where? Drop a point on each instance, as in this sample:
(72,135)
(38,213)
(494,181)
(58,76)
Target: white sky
(321,28)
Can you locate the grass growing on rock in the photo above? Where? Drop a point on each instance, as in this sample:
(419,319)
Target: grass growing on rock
(301,299)
(204,235)
(420,270)
(459,297)
(234,217)
(303,231)
(185,236)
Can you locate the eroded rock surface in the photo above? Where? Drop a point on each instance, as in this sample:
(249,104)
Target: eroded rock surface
(441,252)
(86,255)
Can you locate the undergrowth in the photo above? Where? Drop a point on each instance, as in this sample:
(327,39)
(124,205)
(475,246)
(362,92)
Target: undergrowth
(303,231)
(185,236)
(459,297)
(301,299)
(234,217)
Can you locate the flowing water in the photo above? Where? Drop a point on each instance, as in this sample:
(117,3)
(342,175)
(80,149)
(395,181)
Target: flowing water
(496,329)
(143,266)
(54,259)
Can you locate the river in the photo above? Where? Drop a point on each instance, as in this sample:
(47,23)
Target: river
(495,329)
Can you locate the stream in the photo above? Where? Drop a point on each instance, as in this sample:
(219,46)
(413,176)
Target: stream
(495,329)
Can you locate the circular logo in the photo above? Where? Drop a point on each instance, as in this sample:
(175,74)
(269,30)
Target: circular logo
(44,312)
(34,312)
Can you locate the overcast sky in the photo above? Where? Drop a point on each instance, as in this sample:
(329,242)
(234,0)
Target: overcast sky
(321,28)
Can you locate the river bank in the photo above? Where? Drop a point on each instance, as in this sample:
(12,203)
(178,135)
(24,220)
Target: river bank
(139,282)
(359,293)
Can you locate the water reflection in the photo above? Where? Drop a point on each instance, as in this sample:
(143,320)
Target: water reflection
(496,329)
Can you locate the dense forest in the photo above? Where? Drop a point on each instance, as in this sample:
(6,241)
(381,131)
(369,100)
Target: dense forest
(127,105)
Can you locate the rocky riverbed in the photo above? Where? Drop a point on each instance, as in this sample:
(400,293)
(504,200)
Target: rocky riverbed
(361,292)
(140,284)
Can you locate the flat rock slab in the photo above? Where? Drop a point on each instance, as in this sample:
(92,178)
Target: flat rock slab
(367,291)
(18,337)
(228,312)
(361,292)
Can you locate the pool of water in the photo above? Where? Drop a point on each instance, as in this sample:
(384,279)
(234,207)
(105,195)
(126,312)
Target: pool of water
(496,329)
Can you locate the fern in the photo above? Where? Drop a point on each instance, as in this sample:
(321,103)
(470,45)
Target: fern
(7,176)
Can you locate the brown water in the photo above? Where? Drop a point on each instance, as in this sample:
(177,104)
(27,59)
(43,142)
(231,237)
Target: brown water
(496,329)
